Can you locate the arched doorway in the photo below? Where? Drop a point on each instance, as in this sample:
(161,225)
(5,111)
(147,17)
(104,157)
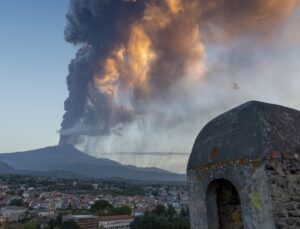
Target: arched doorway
(223,206)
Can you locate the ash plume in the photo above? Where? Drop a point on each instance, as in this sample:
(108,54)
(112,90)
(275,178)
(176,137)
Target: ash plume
(222,19)
(148,70)
(132,53)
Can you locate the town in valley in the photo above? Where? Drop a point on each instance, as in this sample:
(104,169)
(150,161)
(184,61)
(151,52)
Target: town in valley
(41,202)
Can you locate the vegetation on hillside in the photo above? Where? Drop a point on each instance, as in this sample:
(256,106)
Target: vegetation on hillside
(162,218)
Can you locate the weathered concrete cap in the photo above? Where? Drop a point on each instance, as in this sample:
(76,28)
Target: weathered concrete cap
(249,131)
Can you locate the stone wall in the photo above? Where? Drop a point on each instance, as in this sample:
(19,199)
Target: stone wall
(283,171)
(249,179)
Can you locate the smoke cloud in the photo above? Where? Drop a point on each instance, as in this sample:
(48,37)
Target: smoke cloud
(132,53)
(224,19)
(150,73)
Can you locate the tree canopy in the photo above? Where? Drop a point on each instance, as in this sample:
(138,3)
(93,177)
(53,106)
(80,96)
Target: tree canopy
(102,207)
(162,218)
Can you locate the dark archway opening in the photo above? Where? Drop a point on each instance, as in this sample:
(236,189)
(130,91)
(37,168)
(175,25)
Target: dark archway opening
(223,206)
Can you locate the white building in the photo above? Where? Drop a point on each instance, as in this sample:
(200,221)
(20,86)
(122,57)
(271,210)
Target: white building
(14,213)
(46,214)
(115,222)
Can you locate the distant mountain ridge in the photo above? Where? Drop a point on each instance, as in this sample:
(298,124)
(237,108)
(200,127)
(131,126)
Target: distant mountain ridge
(5,167)
(67,159)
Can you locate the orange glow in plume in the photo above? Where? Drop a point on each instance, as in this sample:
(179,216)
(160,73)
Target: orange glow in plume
(129,64)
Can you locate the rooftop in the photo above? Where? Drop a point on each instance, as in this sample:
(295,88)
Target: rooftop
(14,208)
(249,131)
(115,217)
(80,217)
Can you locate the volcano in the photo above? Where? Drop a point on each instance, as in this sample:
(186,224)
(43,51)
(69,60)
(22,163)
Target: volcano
(67,161)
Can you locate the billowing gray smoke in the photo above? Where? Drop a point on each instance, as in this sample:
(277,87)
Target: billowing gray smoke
(97,26)
(143,66)
(131,52)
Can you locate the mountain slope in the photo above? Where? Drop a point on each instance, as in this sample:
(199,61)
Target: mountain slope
(5,167)
(50,158)
(69,159)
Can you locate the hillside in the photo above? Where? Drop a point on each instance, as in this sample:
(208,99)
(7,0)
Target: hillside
(67,159)
(5,167)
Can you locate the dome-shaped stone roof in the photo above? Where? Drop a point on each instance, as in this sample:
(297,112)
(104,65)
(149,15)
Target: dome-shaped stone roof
(249,131)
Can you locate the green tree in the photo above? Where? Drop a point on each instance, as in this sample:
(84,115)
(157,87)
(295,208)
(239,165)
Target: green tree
(70,224)
(100,205)
(170,212)
(184,212)
(16,202)
(161,218)
(159,210)
(31,225)
(124,210)
(150,221)
(181,223)
(57,223)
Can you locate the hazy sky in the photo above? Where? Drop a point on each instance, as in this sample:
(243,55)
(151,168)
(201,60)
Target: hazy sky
(33,66)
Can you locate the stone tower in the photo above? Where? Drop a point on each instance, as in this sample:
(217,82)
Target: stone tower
(244,169)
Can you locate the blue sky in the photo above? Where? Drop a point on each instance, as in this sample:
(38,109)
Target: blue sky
(33,66)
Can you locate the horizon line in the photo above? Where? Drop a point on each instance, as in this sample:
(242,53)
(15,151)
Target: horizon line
(146,153)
